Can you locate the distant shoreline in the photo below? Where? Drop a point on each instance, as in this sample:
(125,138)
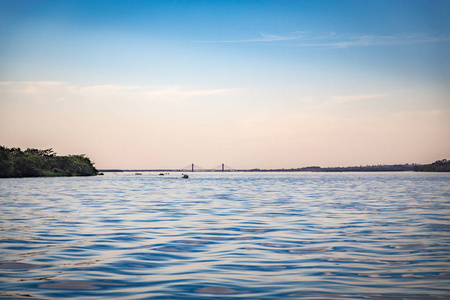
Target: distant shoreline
(438,166)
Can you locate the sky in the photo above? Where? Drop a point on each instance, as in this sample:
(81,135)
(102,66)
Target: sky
(252,84)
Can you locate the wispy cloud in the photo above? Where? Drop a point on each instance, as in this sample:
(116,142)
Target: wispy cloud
(44,92)
(154,91)
(335,40)
(265,38)
(345,101)
(377,40)
(351,98)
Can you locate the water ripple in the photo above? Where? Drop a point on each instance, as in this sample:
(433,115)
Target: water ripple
(226,235)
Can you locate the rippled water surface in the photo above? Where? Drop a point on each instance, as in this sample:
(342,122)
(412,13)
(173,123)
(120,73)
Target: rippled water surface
(226,235)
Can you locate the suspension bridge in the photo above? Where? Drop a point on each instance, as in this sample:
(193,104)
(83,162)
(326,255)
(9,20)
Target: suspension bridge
(219,168)
(188,168)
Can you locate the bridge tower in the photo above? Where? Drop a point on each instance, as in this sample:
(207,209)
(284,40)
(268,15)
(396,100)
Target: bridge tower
(192,167)
(223,167)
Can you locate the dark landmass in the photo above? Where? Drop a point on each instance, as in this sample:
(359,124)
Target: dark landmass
(113,170)
(377,168)
(438,166)
(36,163)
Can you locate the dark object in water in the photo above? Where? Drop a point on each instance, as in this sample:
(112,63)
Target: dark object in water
(184,176)
(161,174)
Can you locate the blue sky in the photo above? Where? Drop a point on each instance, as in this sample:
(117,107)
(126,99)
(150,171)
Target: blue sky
(204,75)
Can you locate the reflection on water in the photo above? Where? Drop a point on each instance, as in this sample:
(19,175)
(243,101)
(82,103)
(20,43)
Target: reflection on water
(226,235)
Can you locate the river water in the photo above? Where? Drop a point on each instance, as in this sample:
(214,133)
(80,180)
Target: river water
(226,236)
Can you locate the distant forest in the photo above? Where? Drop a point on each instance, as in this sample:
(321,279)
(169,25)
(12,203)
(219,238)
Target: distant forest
(438,166)
(35,163)
(377,168)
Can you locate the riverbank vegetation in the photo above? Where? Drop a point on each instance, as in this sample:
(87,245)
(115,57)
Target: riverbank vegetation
(438,166)
(35,163)
(375,168)
(442,165)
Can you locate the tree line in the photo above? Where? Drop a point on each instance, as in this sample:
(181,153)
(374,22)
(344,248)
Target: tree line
(34,163)
(438,166)
(442,165)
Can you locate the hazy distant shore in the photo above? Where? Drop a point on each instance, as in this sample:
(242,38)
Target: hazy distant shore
(45,163)
(438,166)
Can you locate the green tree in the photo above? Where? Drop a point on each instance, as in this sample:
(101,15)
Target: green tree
(6,162)
(35,162)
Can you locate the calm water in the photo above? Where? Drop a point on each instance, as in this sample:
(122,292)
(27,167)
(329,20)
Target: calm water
(226,235)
